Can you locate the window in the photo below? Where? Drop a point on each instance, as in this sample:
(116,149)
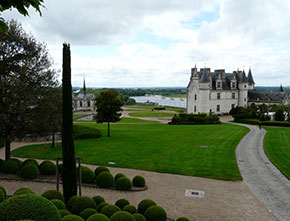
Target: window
(233,106)
(218,96)
(194,109)
(218,84)
(233,84)
(218,108)
(195,97)
(89,103)
(245,86)
(233,96)
(245,99)
(81,104)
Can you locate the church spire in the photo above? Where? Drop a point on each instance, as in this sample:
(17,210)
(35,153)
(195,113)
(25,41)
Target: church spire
(84,87)
(281,88)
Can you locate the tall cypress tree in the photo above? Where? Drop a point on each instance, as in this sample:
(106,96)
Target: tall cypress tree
(69,178)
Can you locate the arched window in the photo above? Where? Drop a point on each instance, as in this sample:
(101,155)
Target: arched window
(81,103)
(89,103)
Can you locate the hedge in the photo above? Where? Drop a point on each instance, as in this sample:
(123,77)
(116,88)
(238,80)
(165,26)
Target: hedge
(83,203)
(29,171)
(155,213)
(47,168)
(105,179)
(83,132)
(189,119)
(53,194)
(10,167)
(264,123)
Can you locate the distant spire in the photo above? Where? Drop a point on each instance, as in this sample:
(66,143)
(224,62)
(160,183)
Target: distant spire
(84,87)
(250,77)
(281,88)
(243,78)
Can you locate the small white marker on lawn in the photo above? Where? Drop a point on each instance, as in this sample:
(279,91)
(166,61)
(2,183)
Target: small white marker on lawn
(111,163)
(194,193)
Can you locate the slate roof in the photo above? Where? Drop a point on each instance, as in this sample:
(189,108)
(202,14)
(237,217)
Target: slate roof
(260,96)
(204,77)
(84,96)
(250,77)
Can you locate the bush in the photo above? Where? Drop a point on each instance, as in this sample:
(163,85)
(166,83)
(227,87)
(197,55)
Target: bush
(29,206)
(124,183)
(86,213)
(139,217)
(53,194)
(182,219)
(82,203)
(118,175)
(10,167)
(130,209)
(71,201)
(122,216)
(264,123)
(58,203)
(88,175)
(30,162)
(29,171)
(72,218)
(109,210)
(159,108)
(138,181)
(121,203)
(144,205)
(3,190)
(98,199)
(83,132)
(98,170)
(101,205)
(188,119)
(19,162)
(47,168)
(155,213)
(23,190)
(64,212)
(98,217)
(2,196)
(105,179)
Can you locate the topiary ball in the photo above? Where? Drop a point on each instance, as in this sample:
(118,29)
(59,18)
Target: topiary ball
(122,216)
(130,209)
(138,181)
(88,175)
(23,190)
(3,190)
(105,179)
(64,212)
(19,162)
(144,205)
(29,171)
(109,210)
(100,169)
(155,213)
(139,217)
(101,205)
(10,167)
(70,202)
(121,203)
(2,196)
(47,168)
(58,203)
(86,213)
(98,199)
(82,203)
(30,162)
(72,218)
(98,217)
(53,194)
(182,219)
(118,175)
(124,183)
(28,206)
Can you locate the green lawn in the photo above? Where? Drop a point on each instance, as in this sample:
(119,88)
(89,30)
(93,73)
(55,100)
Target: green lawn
(152,107)
(176,95)
(151,114)
(135,120)
(76,116)
(158,147)
(277,148)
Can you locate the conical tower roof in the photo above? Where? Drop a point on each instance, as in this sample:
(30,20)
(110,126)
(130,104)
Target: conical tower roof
(250,77)
(243,78)
(204,77)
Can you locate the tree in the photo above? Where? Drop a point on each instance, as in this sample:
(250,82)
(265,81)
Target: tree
(69,178)
(108,105)
(26,76)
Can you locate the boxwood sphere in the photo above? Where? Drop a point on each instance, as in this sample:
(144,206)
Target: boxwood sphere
(130,209)
(124,183)
(72,218)
(47,168)
(70,202)
(98,217)
(64,212)
(2,196)
(53,194)
(139,217)
(82,203)
(118,175)
(101,205)
(100,169)
(144,205)
(121,203)
(86,213)
(23,190)
(29,171)
(58,203)
(98,199)
(138,181)
(28,206)
(182,219)
(88,175)
(155,213)
(10,167)
(105,179)
(4,191)
(19,162)
(30,162)
(122,216)
(109,210)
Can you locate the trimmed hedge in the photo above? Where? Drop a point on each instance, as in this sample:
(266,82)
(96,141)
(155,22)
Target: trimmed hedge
(130,209)
(30,162)
(100,169)
(72,218)
(3,190)
(53,194)
(2,196)
(83,132)
(139,217)
(88,175)
(155,213)
(182,219)
(264,123)
(118,175)
(124,183)
(109,210)
(71,201)
(105,179)
(144,205)
(47,168)
(98,199)
(86,213)
(98,217)
(23,190)
(29,171)
(101,205)
(58,203)
(121,203)
(19,162)
(64,212)
(138,181)
(122,216)
(189,119)
(82,203)
(29,206)
(10,167)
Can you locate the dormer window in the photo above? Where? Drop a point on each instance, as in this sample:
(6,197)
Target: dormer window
(219,84)
(233,84)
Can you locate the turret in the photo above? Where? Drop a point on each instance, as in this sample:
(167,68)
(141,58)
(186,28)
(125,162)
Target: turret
(251,80)
(84,87)
(243,90)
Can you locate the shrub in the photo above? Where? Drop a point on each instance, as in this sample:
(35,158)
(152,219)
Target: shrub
(29,171)
(124,183)
(2,196)
(109,210)
(19,162)
(3,190)
(159,108)
(144,205)
(118,175)
(121,203)
(83,132)
(53,194)
(10,167)
(71,201)
(101,205)
(64,212)
(47,168)
(139,181)
(29,206)
(98,199)
(58,203)
(139,217)
(86,213)
(98,217)
(23,190)
(130,209)
(30,162)
(122,216)
(201,118)
(155,213)
(105,179)
(182,219)
(72,218)
(98,170)
(82,203)
(88,175)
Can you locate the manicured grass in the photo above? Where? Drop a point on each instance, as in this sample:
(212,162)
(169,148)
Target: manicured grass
(135,120)
(133,109)
(76,116)
(176,95)
(277,148)
(152,107)
(151,114)
(159,147)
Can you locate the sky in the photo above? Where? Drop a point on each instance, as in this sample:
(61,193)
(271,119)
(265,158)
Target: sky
(155,43)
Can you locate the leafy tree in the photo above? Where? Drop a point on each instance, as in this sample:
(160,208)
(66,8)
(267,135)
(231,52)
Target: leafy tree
(26,76)
(108,105)
(279,115)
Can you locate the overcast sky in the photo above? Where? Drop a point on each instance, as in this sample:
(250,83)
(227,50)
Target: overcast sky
(137,43)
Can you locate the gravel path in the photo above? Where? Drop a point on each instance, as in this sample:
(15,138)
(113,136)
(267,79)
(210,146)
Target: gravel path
(264,180)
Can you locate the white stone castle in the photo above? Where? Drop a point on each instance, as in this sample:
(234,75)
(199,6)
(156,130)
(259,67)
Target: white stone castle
(218,92)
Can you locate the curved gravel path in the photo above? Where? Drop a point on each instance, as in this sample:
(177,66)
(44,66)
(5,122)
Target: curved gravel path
(265,181)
